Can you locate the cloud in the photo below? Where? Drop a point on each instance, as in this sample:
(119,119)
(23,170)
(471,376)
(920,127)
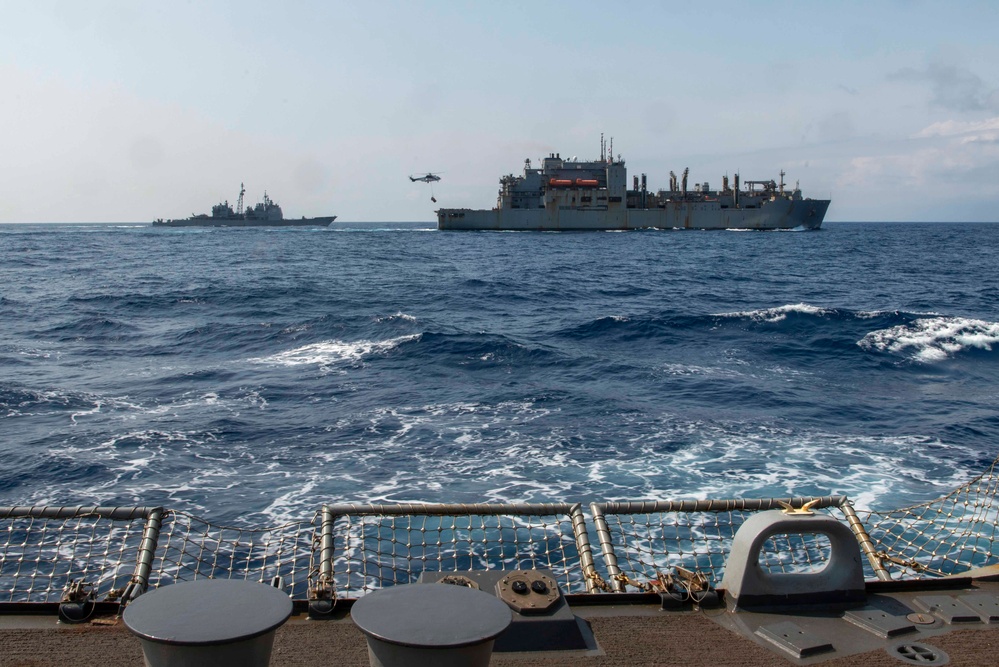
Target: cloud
(953,87)
(958,153)
(936,178)
(984,138)
(969,131)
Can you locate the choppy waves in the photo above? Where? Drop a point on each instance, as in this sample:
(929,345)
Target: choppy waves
(920,337)
(246,377)
(778,314)
(934,339)
(327,354)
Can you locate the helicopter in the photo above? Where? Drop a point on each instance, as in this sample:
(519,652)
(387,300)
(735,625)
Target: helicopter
(429,178)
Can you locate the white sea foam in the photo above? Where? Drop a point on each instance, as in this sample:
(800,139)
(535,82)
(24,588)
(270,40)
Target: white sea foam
(777,314)
(685,370)
(83,413)
(280,508)
(400,316)
(471,452)
(332,352)
(871,314)
(123,406)
(101,404)
(33,353)
(680,459)
(933,339)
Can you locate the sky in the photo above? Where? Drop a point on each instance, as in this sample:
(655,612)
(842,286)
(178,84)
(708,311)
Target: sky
(131,111)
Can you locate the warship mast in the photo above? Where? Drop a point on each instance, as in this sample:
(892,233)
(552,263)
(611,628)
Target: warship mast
(239,202)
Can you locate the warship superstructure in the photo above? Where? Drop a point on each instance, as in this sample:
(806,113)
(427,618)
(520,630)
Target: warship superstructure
(567,194)
(264,214)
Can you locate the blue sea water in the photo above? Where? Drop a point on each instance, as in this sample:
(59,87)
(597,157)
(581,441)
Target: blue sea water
(249,375)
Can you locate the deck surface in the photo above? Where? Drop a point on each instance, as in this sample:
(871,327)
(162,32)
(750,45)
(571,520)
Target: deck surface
(634,636)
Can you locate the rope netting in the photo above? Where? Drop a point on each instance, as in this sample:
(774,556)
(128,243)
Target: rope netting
(40,556)
(191,548)
(946,536)
(379,546)
(643,542)
(347,551)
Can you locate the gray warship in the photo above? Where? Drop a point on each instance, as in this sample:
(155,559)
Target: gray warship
(567,194)
(265,214)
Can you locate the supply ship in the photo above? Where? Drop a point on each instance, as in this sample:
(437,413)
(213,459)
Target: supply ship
(265,214)
(566,194)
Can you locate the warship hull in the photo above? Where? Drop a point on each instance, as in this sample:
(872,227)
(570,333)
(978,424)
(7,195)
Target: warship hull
(242,222)
(265,214)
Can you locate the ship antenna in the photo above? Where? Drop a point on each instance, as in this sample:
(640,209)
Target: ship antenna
(239,203)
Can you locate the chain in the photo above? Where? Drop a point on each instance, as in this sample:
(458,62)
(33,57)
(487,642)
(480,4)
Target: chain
(599,582)
(910,563)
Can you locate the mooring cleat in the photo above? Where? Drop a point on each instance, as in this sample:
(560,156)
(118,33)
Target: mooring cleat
(804,510)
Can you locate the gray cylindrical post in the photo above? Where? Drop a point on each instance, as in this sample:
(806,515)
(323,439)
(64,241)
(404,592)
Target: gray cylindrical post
(208,623)
(437,625)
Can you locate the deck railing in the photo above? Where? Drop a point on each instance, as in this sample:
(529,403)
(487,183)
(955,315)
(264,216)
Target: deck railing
(113,554)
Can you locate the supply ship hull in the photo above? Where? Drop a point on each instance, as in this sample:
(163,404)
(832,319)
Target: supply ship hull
(775,215)
(571,195)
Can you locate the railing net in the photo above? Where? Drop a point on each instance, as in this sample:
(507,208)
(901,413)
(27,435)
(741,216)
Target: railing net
(950,535)
(359,548)
(643,541)
(41,555)
(191,548)
(373,549)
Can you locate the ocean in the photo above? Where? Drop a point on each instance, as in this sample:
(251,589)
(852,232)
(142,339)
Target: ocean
(248,376)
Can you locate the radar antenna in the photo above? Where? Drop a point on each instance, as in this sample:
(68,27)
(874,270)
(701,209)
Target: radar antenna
(239,202)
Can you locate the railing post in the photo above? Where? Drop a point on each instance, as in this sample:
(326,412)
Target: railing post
(860,532)
(322,598)
(147,550)
(610,558)
(583,547)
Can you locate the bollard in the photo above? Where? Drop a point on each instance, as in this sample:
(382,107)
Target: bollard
(208,623)
(441,626)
